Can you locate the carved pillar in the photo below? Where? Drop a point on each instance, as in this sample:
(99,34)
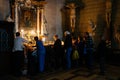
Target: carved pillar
(42,22)
(108,12)
(108,18)
(16,17)
(38,19)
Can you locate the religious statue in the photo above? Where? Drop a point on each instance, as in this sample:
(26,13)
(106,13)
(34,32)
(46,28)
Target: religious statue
(72,7)
(92,26)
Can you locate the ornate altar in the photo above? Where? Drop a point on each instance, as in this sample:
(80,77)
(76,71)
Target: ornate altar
(28,17)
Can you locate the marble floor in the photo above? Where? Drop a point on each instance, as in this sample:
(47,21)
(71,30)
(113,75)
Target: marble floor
(112,73)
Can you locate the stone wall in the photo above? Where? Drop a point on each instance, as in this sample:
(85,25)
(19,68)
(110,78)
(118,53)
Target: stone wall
(53,17)
(92,10)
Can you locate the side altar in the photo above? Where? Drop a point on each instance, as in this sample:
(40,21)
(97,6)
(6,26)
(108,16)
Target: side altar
(28,17)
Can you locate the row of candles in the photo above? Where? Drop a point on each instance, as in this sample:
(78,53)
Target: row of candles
(29,35)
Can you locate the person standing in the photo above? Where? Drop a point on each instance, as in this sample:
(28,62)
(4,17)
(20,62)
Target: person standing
(18,54)
(101,50)
(41,54)
(58,52)
(68,48)
(80,47)
(89,51)
(75,53)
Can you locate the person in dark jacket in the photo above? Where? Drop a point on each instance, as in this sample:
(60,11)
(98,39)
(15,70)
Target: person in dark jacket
(80,47)
(68,48)
(89,51)
(58,52)
(101,50)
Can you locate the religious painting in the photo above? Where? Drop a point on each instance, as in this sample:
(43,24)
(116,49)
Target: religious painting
(27,19)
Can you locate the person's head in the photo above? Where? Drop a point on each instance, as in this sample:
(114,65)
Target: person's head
(86,34)
(36,38)
(17,33)
(74,39)
(80,38)
(66,33)
(55,37)
(102,37)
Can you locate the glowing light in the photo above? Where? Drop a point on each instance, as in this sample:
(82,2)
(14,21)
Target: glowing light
(43,39)
(22,32)
(62,42)
(33,32)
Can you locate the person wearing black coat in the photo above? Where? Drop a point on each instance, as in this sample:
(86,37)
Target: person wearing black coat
(58,52)
(68,48)
(101,50)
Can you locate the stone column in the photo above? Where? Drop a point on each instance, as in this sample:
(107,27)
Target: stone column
(38,19)
(108,12)
(108,18)
(42,22)
(16,17)
(40,25)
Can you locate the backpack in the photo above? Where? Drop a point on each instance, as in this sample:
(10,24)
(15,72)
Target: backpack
(75,55)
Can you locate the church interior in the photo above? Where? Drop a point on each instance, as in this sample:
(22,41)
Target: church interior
(49,17)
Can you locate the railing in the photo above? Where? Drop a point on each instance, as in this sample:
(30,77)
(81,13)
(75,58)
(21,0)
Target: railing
(116,51)
(113,56)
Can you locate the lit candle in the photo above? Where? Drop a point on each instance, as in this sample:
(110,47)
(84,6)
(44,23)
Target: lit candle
(22,32)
